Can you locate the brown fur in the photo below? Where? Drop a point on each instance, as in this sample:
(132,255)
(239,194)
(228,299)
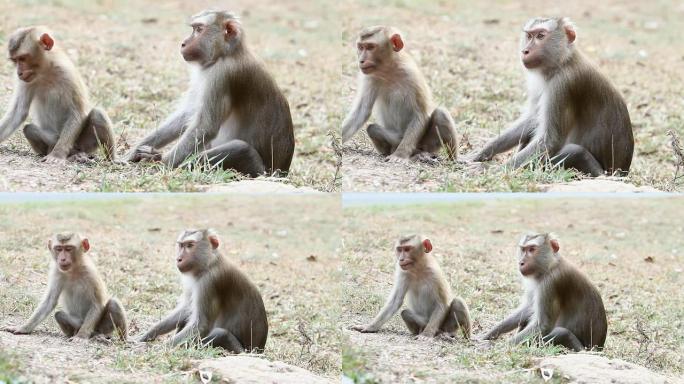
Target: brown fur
(432,310)
(408,124)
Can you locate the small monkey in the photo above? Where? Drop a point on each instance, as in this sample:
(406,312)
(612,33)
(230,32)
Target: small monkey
(219,304)
(560,305)
(75,282)
(432,310)
(392,87)
(65,126)
(574,115)
(233,115)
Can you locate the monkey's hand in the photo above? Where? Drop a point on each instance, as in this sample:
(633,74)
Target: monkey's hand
(145,153)
(17,330)
(364,328)
(396,159)
(52,159)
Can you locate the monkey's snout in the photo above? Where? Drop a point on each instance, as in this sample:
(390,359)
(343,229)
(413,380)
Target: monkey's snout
(526,51)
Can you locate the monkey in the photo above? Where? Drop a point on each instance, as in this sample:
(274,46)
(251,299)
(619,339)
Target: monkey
(560,304)
(233,116)
(393,89)
(219,303)
(574,116)
(75,282)
(64,125)
(432,310)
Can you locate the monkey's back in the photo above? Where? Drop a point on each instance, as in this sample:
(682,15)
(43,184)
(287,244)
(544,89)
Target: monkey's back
(600,115)
(242,307)
(264,109)
(581,307)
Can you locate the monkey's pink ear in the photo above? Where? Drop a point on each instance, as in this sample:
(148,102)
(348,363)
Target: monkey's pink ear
(85,244)
(397,42)
(427,245)
(214,240)
(570,33)
(47,42)
(555,246)
(232,28)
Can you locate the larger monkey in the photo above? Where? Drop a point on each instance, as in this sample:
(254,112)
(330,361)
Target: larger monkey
(393,88)
(574,116)
(560,304)
(74,281)
(65,126)
(234,115)
(432,309)
(219,303)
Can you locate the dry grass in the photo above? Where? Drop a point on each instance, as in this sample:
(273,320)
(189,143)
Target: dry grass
(630,248)
(271,239)
(128,53)
(468,52)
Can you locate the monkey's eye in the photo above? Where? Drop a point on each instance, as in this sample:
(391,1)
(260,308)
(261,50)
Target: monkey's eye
(199,29)
(540,36)
(529,36)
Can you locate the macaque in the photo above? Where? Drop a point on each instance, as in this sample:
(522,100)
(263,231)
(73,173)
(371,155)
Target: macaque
(75,282)
(233,116)
(574,116)
(64,124)
(219,306)
(560,305)
(393,88)
(432,310)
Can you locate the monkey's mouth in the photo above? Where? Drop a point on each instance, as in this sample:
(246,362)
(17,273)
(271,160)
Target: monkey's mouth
(405,264)
(367,68)
(64,267)
(27,78)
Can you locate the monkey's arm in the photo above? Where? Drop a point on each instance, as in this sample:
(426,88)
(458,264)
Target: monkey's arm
(201,129)
(513,321)
(360,112)
(67,137)
(172,128)
(394,302)
(46,306)
(16,114)
(90,322)
(436,318)
(414,132)
(167,324)
(517,132)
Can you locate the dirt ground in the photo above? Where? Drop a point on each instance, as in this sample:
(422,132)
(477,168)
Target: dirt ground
(468,52)
(288,250)
(128,54)
(631,249)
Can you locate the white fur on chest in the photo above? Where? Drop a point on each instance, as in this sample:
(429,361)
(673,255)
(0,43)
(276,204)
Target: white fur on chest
(391,109)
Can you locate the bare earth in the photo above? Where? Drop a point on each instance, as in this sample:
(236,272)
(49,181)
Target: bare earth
(128,54)
(468,52)
(630,248)
(289,251)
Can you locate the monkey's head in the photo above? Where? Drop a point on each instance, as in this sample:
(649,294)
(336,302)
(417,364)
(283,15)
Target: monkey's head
(410,251)
(27,50)
(194,249)
(67,249)
(375,46)
(537,253)
(547,43)
(215,34)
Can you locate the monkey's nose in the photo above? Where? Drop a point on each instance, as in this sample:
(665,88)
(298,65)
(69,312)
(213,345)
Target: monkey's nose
(183,45)
(526,52)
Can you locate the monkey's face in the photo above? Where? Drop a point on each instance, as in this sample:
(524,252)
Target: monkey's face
(527,259)
(412,252)
(211,39)
(67,253)
(532,54)
(186,254)
(194,48)
(369,53)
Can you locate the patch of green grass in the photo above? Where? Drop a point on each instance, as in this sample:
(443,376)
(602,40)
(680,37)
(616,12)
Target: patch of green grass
(10,372)
(354,367)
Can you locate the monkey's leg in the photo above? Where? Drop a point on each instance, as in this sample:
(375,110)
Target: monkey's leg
(383,140)
(577,157)
(113,317)
(41,141)
(414,323)
(219,337)
(69,324)
(97,130)
(562,336)
(457,317)
(237,155)
(441,129)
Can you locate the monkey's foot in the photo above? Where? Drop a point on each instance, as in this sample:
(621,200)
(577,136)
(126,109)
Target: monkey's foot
(426,157)
(145,153)
(82,158)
